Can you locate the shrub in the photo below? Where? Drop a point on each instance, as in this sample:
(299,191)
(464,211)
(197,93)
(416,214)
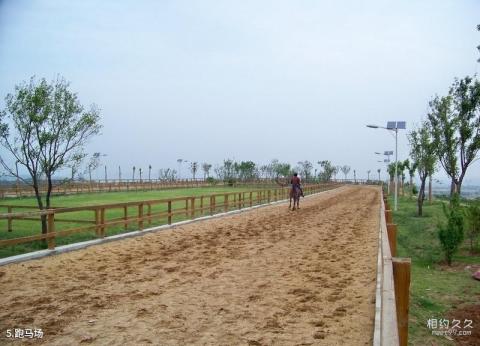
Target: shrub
(211,181)
(451,234)
(472,218)
(414,189)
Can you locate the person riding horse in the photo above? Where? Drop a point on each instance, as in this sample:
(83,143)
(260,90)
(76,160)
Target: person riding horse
(295,191)
(296,183)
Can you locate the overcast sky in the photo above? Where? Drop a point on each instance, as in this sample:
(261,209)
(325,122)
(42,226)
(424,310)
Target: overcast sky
(247,80)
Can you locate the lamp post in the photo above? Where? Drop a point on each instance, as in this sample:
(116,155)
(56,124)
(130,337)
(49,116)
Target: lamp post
(393,126)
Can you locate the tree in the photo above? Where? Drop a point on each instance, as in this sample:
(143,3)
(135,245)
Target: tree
(412,167)
(44,128)
(472,217)
(451,234)
(206,169)
(378,171)
(368,175)
(455,122)
(93,164)
(194,168)
(328,170)
(478,47)
(345,170)
(423,154)
(305,168)
(167,174)
(149,172)
(133,174)
(391,174)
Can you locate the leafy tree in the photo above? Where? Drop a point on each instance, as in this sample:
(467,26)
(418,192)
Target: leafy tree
(478,47)
(246,170)
(472,218)
(422,152)
(167,174)
(194,168)
(282,170)
(455,122)
(133,173)
(305,168)
(391,174)
(327,170)
(44,128)
(345,170)
(149,172)
(412,167)
(93,163)
(451,234)
(206,169)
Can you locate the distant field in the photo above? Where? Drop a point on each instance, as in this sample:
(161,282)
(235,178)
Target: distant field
(22,228)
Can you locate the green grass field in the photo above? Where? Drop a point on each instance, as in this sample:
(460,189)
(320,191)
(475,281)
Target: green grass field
(22,228)
(435,288)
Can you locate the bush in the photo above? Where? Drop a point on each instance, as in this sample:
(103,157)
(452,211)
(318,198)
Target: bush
(451,234)
(414,189)
(472,216)
(211,181)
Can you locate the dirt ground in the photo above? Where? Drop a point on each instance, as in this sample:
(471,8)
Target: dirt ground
(263,277)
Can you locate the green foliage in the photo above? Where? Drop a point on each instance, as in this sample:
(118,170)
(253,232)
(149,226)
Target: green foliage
(454,120)
(472,218)
(451,234)
(328,170)
(211,181)
(414,189)
(45,128)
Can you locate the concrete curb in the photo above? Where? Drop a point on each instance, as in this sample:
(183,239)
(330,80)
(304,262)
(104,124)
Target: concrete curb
(82,245)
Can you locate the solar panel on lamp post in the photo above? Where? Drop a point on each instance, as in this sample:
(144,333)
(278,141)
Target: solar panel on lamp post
(393,126)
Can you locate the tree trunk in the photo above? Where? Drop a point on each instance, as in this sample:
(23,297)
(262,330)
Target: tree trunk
(421,195)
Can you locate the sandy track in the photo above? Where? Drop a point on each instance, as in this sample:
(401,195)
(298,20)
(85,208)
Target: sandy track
(268,276)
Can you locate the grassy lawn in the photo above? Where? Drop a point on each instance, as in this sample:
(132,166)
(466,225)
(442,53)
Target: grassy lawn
(23,228)
(435,288)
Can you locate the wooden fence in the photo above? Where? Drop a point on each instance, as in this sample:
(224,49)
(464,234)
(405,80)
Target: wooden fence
(164,211)
(393,285)
(19,189)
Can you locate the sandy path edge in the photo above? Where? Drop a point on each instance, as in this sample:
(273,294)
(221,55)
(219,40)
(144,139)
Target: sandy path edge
(268,276)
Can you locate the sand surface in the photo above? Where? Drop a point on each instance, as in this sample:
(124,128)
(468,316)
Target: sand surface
(269,276)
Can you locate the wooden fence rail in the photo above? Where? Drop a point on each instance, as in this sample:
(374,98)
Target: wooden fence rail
(14,189)
(393,283)
(99,218)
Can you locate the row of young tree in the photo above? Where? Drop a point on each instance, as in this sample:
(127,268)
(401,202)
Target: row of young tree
(449,139)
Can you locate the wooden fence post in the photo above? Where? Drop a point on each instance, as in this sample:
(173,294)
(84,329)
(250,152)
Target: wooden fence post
(169,209)
(149,213)
(102,222)
(225,202)
(140,216)
(251,202)
(186,208)
(401,278)
(392,238)
(9,227)
(51,229)
(269,196)
(388,216)
(201,205)
(212,205)
(97,222)
(192,208)
(125,217)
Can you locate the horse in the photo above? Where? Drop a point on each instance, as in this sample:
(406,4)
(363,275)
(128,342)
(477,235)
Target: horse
(295,194)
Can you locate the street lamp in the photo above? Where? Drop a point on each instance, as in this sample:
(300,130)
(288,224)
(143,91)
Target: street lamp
(393,126)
